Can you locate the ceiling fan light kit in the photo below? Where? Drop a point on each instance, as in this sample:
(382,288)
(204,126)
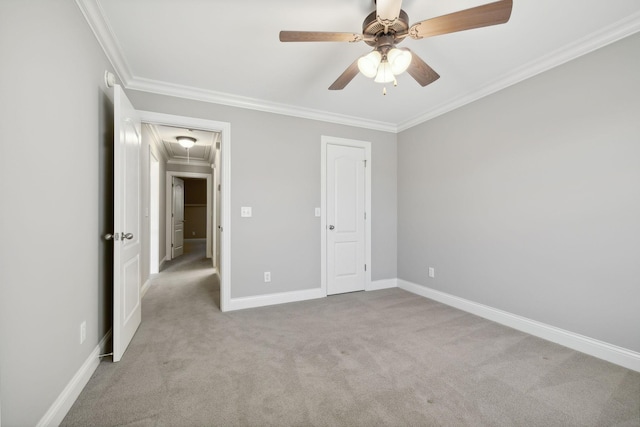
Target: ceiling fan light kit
(387,26)
(375,64)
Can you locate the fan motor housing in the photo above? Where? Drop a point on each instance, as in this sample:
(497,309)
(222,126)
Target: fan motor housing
(372,27)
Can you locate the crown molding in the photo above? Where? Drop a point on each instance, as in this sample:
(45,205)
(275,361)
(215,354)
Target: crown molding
(198,94)
(95,18)
(106,38)
(591,42)
(197,163)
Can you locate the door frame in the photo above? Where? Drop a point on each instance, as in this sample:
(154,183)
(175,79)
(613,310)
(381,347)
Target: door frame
(224,128)
(169,208)
(154,211)
(366,145)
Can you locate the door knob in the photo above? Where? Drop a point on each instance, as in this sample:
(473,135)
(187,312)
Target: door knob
(110,236)
(331,227)
(127,236)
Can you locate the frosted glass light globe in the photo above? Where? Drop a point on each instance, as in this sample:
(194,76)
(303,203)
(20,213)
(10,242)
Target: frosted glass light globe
(399,59)
(368,64)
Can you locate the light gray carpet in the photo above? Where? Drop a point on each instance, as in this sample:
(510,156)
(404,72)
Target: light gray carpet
(364,359)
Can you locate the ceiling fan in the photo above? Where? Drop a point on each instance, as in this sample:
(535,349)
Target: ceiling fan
(388,26)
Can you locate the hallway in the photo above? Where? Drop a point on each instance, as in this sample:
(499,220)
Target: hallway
(194,253)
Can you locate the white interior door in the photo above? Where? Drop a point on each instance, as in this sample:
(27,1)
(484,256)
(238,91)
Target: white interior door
(127,230)
(345,207)
(177,217)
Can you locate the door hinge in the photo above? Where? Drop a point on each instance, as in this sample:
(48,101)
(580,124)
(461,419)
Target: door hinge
(365,215)
(365,163)
(365,267)
(172,245)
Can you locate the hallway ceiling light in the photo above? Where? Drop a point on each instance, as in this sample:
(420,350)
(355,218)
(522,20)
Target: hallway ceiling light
(186,141)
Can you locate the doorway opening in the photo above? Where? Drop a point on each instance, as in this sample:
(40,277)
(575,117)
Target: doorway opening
(218,197)
(189,218)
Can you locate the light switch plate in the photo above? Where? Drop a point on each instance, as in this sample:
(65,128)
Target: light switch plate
(317,211)
(432,272)
(245,212)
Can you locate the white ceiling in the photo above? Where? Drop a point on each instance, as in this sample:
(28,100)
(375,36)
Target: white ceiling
(228,52)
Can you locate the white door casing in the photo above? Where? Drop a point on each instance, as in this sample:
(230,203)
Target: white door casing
(345,227)
(127,223)
(177,217)
(154,213)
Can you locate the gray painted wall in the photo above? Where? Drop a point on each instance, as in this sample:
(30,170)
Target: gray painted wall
(529,200)
(150,148)
(57,137)
(276,170)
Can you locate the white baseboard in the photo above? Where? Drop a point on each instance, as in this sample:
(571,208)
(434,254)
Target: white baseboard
(600,349)
(145,287)
(272,299)
(377,285)
(295,296)
(61,406)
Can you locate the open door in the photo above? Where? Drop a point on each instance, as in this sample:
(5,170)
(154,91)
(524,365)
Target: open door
(127,230)
(177,217)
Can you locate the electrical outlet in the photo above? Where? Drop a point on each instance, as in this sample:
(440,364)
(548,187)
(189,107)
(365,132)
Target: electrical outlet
(193,233)
(432,272)
(267,276)
(83,332)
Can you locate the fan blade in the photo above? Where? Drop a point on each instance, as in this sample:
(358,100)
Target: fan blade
(481,16)
(387,11)
(318,36)
(420,71)
(345,77)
